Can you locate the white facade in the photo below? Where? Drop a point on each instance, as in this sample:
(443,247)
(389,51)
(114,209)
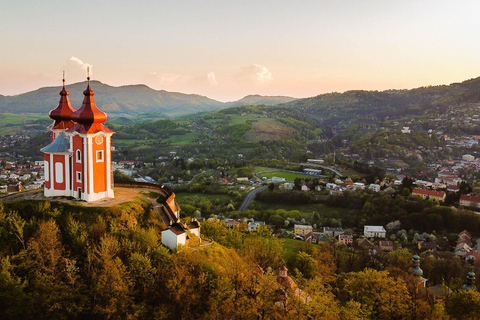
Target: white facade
(172,240)
(374,231)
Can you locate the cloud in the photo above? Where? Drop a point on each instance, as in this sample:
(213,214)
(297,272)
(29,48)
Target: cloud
(211,79)
(82,64)
(76,70)
(254,74)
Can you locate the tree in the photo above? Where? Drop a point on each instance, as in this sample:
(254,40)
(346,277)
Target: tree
(464,305)
(45,251)
(381,296)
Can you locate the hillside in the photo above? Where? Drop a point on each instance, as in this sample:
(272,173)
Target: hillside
(255,100)
(130,100)
(334,107)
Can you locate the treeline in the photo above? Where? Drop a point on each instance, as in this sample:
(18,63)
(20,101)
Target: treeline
(60,261)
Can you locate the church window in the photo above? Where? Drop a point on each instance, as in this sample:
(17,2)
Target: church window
(100,156)
(59,172)
(79,156)
(79,176)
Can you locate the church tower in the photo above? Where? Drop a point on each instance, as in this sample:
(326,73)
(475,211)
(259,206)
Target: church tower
(62,115)
(78,161)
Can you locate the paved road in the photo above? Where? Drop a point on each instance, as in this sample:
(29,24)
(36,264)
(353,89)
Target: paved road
(250,197)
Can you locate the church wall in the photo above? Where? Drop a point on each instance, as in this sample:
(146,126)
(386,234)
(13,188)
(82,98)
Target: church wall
(78,166)
(99,165)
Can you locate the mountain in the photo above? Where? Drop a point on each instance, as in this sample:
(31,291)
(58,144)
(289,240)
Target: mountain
(255,100)
(335,107)
(131,99)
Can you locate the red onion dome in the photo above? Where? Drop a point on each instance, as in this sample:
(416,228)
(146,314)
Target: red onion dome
(89,112)
(64,110)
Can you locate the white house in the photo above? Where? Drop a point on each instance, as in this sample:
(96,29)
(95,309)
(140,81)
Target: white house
(374,231)
(374,187)
(178,234)
(252,225)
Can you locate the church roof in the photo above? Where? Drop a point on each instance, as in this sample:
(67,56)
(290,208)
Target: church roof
(89,118)
(60,145)
(62,114)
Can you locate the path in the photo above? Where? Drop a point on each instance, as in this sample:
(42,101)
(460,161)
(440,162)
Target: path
(250,197)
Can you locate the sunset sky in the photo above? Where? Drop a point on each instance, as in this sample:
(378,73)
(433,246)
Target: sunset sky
(228,49)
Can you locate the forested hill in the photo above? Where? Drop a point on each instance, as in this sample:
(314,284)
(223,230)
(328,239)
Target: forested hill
(132,99)
(255,100)
(334,107)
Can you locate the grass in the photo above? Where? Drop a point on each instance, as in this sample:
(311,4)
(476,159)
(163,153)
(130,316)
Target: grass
(10,118)
(210,197)
(287,175)
(182,140)
(269,129)
(151,194)
(239,119)
(290,248)
(261,169)
(323,210)
(22,124)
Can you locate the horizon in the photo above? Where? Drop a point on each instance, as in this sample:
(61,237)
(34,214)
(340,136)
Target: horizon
(229,101)
(227,50)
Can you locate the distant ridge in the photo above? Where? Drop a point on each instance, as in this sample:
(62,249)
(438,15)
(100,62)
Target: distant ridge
(260,100)
(130,99)
(126,100)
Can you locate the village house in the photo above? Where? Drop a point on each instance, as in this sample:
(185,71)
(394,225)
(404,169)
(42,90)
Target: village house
(253,225)
(430,194)
(179,234)
(302,230)
(333,232)
(470,200)
(374,231)
(346,240)
(462,249)
(386,245)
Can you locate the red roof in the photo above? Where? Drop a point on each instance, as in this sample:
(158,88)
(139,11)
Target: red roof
(471,253)
(428,192)
(89,117)
(62,114)
(470,198)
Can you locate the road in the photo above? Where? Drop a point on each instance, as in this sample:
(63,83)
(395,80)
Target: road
(250,197)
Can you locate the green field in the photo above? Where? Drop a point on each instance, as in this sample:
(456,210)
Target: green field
(287,175)
(23,124)
(222,197)
(239,119)
(182,139)
(261,169)
(10,118)
(291,247)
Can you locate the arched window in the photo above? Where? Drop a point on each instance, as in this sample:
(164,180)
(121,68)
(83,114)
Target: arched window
(79,156)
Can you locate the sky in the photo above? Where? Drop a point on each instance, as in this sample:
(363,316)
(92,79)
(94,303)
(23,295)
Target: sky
(229,49)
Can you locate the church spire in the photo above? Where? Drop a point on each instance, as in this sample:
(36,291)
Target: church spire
(89,113)
(62,114)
